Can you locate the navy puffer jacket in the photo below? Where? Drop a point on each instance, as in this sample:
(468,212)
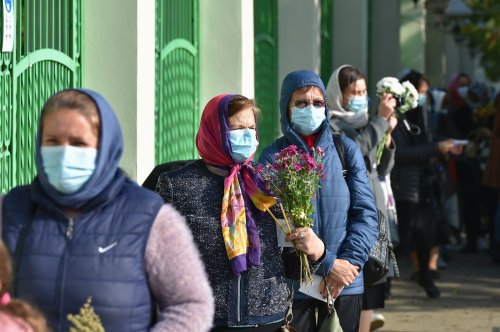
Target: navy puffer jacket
(345,216)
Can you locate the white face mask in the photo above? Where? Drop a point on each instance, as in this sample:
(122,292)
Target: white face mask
(463,91)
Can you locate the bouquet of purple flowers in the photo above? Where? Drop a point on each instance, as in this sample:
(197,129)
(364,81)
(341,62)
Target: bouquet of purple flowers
(293,178)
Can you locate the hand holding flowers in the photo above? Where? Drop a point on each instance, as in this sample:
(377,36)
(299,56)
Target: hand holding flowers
(304,239)
(407,99)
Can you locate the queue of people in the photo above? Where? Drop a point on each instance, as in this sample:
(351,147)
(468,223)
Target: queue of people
(200,254)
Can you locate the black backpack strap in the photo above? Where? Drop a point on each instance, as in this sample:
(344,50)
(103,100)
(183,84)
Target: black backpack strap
(337,140)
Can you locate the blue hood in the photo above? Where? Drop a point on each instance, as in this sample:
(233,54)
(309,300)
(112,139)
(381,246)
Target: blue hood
(293,81)
(107,178)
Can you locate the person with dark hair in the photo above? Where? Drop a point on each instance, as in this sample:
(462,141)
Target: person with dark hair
(222,196)
(16,315)
(83,229)
(348,101)
(345,216)
(412,184)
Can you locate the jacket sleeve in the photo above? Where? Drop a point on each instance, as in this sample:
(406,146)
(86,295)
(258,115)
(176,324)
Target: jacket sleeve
(362,224)
(370,135)
(177,276)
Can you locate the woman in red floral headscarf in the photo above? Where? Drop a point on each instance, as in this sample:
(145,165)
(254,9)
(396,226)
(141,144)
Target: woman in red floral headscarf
(222,198)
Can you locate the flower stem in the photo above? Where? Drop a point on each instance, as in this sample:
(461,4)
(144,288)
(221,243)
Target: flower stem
(286,219)
(381,146)
(276,221)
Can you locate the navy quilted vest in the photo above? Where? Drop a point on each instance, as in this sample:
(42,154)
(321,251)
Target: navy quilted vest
(98,254)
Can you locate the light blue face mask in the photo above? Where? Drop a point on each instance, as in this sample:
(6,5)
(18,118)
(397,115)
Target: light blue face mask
(422,100)
(68,167)
(463,91)
(309,119)
(243,143)
(357,104)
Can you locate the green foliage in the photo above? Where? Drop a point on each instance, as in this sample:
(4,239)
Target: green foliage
(86,320)
(483,33)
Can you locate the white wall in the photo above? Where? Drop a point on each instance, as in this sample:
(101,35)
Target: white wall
(350,33)
(226,48)
(118,62)
(299,32)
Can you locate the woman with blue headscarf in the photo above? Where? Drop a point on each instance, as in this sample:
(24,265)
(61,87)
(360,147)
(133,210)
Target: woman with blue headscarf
(345,217)
(83,229)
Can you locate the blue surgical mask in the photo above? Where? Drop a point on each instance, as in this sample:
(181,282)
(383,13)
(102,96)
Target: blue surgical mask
(309,119)
(68,167)
(357,104)
(422,100)
(243,143)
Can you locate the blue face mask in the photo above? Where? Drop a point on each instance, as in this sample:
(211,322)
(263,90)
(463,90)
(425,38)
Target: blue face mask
(67,167)
(357,104)
(243,143)
(422,100)
(308,120)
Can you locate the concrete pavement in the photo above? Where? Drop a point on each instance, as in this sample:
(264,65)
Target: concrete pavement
(470,298)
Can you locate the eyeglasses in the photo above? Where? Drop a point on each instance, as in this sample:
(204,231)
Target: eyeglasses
(305,103)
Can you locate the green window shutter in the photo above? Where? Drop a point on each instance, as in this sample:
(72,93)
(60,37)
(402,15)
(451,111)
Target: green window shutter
(46,58)
(326,39)
(177,111)
(266,69)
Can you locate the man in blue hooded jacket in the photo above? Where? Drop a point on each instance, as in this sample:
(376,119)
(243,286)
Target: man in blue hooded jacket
(345,216)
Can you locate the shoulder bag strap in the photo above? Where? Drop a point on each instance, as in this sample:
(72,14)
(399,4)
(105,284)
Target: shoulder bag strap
(337,140)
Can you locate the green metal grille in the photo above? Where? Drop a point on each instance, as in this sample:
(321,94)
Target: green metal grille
(177,111)
(326,39)
(46,58)
(266,69)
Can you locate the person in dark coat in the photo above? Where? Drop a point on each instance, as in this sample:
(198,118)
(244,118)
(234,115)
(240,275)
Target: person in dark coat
(416,224)
(345,216)
(83,229)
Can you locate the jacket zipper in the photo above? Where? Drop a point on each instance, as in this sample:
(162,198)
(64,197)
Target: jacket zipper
(68,237)
(238,304)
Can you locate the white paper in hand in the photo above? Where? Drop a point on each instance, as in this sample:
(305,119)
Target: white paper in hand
(281,236)
(460,142)
(313,289)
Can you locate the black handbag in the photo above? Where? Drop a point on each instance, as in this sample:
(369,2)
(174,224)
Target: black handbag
(382,256)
